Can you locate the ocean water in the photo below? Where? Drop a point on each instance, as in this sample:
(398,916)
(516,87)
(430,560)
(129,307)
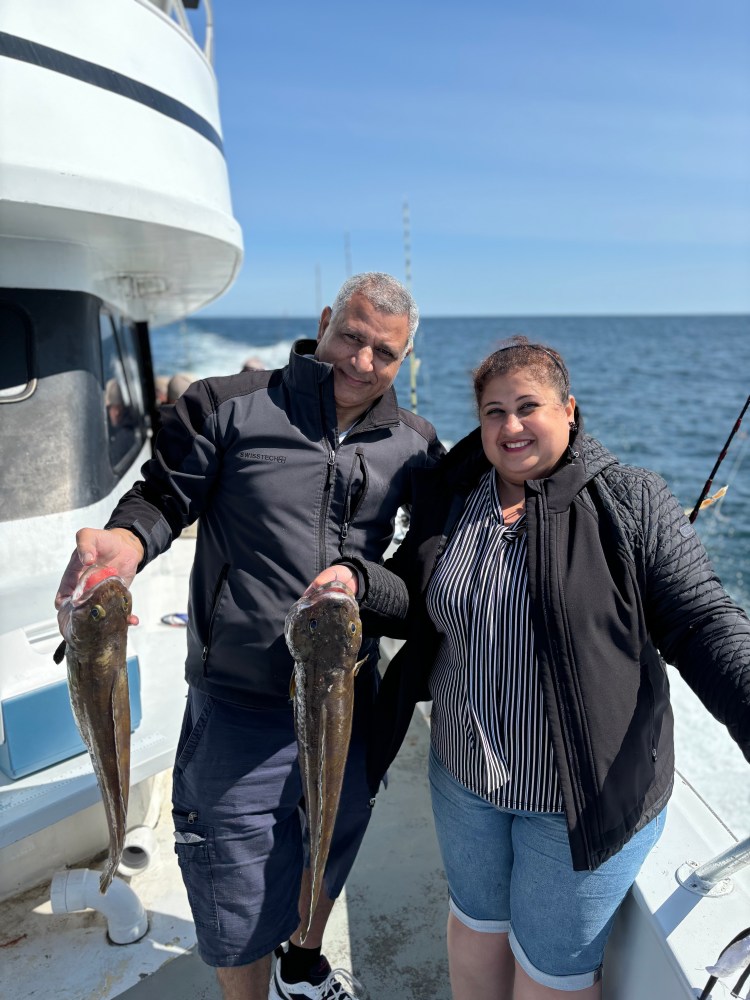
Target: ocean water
(661,392)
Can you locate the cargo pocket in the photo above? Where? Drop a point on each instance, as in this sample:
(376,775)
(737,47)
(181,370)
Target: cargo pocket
(191,731)
(194,847)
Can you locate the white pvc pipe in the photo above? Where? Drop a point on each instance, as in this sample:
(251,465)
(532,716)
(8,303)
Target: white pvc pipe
(138,851)
(78,889)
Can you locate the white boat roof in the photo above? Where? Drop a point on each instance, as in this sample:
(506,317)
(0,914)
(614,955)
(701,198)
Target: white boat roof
(112,170)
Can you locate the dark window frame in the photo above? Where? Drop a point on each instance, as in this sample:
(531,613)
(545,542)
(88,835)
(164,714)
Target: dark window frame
(28,329)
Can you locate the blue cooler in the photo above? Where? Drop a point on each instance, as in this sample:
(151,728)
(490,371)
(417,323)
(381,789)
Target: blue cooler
(38,728)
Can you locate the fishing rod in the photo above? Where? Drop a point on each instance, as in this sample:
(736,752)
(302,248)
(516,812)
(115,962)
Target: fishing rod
(718,462)
(413,359)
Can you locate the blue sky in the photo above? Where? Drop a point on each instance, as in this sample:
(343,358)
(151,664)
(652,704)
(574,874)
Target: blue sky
(558,157)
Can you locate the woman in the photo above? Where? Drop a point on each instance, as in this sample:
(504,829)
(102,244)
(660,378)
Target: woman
(537,586)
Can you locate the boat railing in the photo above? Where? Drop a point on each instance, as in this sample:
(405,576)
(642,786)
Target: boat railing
(712,878)
(177,11)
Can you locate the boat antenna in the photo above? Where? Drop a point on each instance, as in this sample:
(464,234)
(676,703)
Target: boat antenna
(413,360)
(318,291)
(347,255)
(702,498)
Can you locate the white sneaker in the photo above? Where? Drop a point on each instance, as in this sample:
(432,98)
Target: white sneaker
(332,984)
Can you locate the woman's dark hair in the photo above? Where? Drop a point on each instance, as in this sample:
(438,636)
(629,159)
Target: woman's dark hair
(518,353)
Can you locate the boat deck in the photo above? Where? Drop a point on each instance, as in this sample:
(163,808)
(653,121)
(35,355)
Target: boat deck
(388,927)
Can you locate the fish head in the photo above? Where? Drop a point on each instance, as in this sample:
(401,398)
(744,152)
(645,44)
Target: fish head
(324,623)
(98,608)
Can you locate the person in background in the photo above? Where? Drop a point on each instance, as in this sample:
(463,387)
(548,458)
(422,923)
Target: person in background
(114,403)
(161,397)
(178,384)
(537,586)
(161,383)
(252,364)
(120,424)
(284,470)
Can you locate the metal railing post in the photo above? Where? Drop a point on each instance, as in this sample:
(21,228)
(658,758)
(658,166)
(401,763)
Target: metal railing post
(712,878)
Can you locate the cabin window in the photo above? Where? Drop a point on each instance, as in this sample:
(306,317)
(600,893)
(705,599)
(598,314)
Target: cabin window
(127,339)
(17,376)
(123,399)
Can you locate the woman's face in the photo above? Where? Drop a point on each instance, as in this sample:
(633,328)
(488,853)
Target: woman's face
(525,427)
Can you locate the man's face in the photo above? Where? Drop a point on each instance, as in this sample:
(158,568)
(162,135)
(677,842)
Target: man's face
(366,348)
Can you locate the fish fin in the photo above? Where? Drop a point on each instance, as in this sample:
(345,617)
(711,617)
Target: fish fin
(59,654)
(292,686)
(358,664)
(315,823)
(120,709)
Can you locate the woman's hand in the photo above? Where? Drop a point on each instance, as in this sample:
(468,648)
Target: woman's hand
(340,573)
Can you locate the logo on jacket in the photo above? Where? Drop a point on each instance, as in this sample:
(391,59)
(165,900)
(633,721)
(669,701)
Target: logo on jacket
(261,456)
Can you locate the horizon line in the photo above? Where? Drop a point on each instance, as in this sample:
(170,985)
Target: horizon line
(516,315)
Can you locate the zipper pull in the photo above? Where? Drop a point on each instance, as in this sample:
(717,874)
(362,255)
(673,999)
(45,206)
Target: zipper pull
(204,654)
(192,816)
(344,530)
(329,469)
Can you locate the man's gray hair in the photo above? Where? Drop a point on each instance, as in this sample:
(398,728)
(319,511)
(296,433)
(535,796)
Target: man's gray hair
(382,291)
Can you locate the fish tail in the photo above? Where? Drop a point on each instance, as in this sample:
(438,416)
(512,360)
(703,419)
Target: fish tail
(105,879)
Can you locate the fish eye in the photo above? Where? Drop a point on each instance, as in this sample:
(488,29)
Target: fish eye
(97,612)
(124,604)
(352,627)
(313,623)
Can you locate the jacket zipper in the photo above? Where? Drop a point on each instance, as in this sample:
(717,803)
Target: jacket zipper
(652,712)
(330,463)
(349,512)
(546,604)
(214,607)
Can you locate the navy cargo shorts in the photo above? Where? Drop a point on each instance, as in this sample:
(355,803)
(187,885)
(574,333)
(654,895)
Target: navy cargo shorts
(239,826)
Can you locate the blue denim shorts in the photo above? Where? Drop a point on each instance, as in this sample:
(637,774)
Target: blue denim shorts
(239,825)
(510,872)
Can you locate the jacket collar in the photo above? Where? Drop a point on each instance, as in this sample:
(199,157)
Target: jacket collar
(306,375)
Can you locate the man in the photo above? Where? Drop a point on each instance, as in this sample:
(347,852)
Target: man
(122,433)
(178,384)
(161,386)
(285,470)
(252,364)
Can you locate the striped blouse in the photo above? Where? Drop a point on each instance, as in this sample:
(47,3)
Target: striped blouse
(489,726)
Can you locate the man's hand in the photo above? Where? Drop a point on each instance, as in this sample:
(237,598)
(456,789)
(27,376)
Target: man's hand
(116,547)
(341,573)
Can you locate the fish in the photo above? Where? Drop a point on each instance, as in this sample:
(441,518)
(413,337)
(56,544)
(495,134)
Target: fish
(94,624)
(323,632)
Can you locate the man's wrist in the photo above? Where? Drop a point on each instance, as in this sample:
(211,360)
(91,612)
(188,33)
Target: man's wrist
(132,540)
